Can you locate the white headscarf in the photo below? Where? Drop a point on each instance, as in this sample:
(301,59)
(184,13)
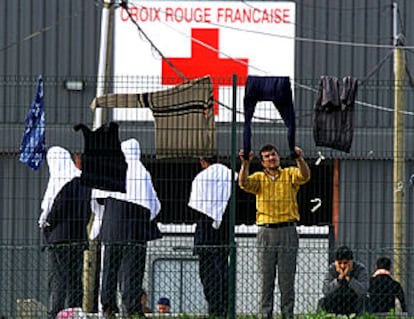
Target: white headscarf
(139,187)
(62,170)
(210,192)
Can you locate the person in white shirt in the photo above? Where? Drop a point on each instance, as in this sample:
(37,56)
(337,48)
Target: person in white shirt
(210,194)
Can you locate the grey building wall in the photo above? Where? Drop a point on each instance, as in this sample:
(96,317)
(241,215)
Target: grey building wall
(60,40)
(366,214)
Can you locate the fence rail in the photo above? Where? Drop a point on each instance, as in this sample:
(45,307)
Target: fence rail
(355,191)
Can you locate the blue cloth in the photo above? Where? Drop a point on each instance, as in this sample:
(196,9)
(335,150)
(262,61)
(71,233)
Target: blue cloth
(269,88)
(32,147)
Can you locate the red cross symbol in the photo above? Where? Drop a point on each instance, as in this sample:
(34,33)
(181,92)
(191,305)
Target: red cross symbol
(205,60)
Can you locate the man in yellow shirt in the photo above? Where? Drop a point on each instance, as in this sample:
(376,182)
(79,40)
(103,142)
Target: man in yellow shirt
(277,213)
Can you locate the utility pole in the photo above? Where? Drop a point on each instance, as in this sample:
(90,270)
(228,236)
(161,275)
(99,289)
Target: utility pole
(399,154)
(91,267)
(107,22)
(232,243)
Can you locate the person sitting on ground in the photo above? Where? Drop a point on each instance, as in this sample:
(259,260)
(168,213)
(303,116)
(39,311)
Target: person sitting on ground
(345,285)
(163,305)
(384,290)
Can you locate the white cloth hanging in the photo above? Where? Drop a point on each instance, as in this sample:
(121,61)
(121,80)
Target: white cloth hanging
(139,187)
(210,192)
(62,170)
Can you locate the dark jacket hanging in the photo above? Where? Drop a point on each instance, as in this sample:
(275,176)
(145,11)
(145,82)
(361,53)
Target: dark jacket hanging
(103,163)
(333,121)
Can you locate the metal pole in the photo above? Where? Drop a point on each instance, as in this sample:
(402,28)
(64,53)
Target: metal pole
(104,59)
(232,243)
(399,163)
(91,260)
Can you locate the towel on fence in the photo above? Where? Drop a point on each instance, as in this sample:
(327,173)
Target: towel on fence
(184,117)
(139,188)
(210,192)
(103,163)
(333,121)
(269,88)
(32,147)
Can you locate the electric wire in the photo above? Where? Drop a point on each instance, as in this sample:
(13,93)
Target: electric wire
(377,67)
(313,6)
(41,30)
(378,107)
(340,11)
(123,3)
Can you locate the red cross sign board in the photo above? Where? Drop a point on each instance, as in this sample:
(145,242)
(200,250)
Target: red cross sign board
(216,38)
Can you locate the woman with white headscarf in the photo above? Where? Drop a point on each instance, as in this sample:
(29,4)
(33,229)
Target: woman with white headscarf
(209,198)
(64,219)
(124,227)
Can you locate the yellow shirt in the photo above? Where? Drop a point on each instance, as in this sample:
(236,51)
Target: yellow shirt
(276,198)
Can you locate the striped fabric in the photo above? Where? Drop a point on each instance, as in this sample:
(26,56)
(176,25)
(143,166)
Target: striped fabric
(184,117)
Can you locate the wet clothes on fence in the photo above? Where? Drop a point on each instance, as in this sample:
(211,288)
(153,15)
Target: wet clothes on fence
(333,121)
(103,163)
(124,224)
(276,89)
(32,146)
(184,117)
(139,191)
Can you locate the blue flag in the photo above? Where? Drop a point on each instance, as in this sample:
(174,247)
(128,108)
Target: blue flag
(32,147)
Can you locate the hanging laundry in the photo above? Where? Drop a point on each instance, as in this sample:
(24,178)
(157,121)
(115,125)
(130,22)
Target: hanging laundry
(211,190)
(32,147)
(276,89)
(184,117)
(333,122)
(122,224)
(103,162)
(62,170)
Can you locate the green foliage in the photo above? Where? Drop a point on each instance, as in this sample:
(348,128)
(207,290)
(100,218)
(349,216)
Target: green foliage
(318,315)
(366,315)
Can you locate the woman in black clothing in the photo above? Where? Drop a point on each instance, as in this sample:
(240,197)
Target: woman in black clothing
(64,219)
(125,225)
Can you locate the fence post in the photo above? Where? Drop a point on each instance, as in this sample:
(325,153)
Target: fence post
(232,243)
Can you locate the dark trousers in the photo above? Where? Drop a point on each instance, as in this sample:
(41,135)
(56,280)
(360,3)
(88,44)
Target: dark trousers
(124,263)
(65,277)
(343,302)
(214,271)
(269,88)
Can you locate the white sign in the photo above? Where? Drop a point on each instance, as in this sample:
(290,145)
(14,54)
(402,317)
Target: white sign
(216,38)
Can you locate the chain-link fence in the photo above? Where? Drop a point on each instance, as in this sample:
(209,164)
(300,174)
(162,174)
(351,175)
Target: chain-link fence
(351,198)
